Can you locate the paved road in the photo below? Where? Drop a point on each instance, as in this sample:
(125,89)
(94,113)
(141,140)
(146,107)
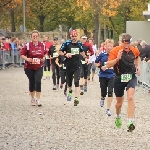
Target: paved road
(58,125)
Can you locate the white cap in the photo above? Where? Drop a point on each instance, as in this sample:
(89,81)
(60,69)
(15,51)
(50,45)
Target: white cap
(84,37)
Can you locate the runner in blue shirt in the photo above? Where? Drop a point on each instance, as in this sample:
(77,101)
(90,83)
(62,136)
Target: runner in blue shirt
(106,76)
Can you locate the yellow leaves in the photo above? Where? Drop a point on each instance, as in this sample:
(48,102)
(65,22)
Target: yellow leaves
(18,1)
(110,7)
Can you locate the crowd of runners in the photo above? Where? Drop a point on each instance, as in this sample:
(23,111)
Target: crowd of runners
(72,66)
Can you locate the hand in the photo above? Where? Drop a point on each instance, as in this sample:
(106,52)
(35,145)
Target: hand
(87,61)
(29,60)
(88,53)
(138,70)
(42,60)
(103,68)
(59,65)
(148,61)
(68,55)
(119,54)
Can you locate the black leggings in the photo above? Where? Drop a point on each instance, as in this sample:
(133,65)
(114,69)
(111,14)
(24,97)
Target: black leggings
(104,83)
(84,71)
(63,77)
(55,70)
(76,73)
(34,77)
(47,65)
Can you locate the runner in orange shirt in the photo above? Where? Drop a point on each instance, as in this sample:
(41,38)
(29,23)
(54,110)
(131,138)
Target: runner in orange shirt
(126,62)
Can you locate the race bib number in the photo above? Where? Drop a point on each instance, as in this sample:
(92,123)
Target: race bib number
(55,55)
(126,77)
(64,66)
(35,61)
(74,51)
(83,62)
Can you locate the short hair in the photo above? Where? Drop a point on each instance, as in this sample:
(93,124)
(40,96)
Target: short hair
(109,41)
(47,36)
(143,43)
(126,38)
(35,31)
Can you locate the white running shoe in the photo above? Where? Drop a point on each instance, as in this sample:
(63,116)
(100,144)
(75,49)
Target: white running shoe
(38,102)
(108,112)
(33,102)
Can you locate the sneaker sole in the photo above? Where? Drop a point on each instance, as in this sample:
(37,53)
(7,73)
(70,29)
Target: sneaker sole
(81,93)
(69,98)
(131,128)
(119,126)
(76,102)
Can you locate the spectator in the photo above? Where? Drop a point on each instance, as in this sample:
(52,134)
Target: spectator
(14,49)
(145,47)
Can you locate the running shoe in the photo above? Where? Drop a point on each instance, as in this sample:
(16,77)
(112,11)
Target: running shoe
(81,93)
(130,126)
(69,96)
(118,122)
(85,88)
(38,102)
(102,102)
(108,112)
(33,102)
(54,87)
(76,101)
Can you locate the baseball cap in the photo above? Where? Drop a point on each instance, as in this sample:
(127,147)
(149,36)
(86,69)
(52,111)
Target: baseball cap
(74,33)
(83,37)
(55,39)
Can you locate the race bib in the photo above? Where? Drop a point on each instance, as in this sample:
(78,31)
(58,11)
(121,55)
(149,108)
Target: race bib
(35,61)
(126,77)
(63,66)
(55,55)
(83,62)
(74,51)
(47,57)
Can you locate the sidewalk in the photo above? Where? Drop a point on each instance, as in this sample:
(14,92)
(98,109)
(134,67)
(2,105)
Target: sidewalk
(58,125)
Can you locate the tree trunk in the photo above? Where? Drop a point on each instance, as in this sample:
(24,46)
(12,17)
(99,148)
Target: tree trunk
(85,31)
(96,27)
(12,16)
(41,18)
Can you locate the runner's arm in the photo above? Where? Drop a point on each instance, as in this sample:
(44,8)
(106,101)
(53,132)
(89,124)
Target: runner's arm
(63,49)
(138,61)
(113,58)
(97,61)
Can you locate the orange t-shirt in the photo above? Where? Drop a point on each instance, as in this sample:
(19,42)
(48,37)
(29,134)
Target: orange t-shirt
(126,64)
(114,52)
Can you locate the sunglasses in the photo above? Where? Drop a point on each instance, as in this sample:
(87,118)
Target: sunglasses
(126,41)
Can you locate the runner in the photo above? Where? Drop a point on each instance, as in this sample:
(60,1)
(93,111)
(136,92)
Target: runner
(106,76)
(91,61)
(54,53)
(88,51)
(126,61)
(48,44)
(34,55)
(72,50)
